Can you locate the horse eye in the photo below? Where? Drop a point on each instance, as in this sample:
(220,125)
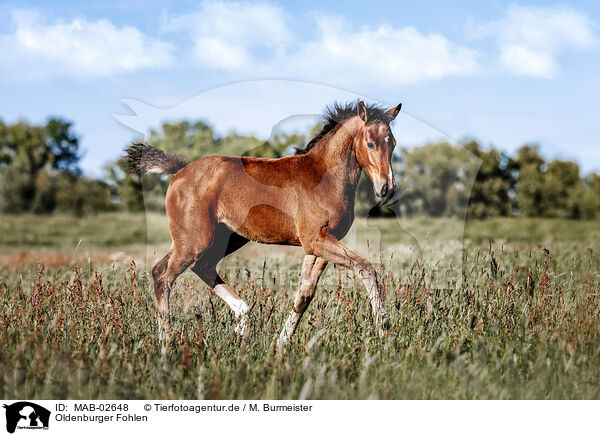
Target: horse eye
(371,145)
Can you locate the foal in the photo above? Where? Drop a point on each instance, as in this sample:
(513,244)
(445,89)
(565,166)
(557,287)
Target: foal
(216,204)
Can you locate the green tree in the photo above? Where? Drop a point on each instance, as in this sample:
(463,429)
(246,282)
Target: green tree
(184,138)
(39,171)
(63,144)
(530,181)
(435,179)
(126,186)
(563,190)
(26,157)
(590,199)
(490,195)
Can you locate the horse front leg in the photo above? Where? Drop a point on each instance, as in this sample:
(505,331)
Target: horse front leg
(312,268)
(332,250)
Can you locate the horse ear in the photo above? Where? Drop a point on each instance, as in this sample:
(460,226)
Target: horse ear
(362,111)
(395,111)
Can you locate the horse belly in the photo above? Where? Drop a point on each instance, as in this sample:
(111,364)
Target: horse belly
(268,225)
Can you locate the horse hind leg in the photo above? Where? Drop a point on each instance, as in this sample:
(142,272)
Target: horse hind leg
(164,273)
(209,275)
(161,294)
(224,243)
(233,300)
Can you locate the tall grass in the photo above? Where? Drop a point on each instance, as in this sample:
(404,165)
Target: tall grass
(524,324)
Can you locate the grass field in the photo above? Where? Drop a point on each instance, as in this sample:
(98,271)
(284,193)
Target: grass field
(502,319)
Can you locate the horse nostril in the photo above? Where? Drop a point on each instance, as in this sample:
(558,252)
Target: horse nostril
(384,189)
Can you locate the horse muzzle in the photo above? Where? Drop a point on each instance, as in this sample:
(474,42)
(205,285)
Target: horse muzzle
(384,188)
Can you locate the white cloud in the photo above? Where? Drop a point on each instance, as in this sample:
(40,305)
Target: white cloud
(258,40)
(383,53)
(530,39)
(232,36)
(79,47)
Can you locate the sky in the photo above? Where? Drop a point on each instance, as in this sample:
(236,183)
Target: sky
(505,73)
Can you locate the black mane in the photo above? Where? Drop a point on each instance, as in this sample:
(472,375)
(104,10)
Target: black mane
(340,112)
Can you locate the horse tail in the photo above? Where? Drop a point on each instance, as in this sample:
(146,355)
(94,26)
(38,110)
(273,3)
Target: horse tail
(144,159)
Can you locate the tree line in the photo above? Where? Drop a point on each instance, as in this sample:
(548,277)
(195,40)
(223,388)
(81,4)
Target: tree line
(40,173)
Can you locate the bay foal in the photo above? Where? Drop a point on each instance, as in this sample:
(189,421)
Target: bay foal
(216,204)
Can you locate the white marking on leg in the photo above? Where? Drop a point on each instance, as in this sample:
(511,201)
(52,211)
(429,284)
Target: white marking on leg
(372,286)
(290,325)
(161,330)
(239,306)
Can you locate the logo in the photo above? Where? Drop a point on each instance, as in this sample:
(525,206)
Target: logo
(26,415)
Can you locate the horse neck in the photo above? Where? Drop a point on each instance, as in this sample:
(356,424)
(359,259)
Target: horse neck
(336,152)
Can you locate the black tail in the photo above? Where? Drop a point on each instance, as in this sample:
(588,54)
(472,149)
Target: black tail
(145,159)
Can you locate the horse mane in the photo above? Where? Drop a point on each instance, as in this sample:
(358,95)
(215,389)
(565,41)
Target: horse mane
(337,113)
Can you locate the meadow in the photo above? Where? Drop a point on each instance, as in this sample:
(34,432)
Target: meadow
(504,308)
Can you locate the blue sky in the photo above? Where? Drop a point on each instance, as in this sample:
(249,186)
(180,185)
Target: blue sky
(504,73)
